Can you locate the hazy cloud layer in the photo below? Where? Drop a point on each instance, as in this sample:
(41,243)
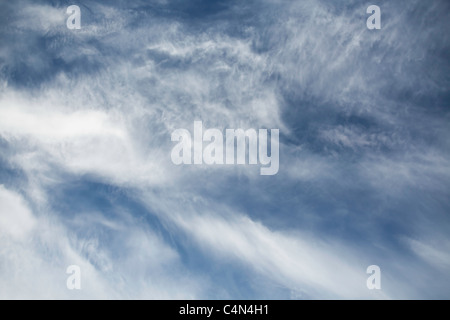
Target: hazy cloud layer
(85,170)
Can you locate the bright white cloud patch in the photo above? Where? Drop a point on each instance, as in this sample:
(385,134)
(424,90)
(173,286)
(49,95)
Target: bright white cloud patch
(36,250)
(16,220)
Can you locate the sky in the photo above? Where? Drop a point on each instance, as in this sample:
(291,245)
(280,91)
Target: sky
(86,176)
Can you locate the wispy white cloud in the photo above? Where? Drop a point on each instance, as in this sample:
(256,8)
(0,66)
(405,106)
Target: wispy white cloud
(125,85)
(288,258)
(37,249)
(437,255)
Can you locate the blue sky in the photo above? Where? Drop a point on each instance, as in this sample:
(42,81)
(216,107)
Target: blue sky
(86,176)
